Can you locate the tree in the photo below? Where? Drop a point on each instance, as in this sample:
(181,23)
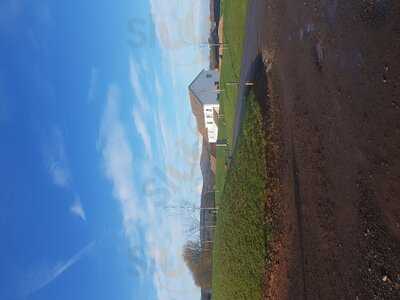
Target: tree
(199,262)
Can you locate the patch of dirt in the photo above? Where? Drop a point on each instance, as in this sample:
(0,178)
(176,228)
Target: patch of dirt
(334,117)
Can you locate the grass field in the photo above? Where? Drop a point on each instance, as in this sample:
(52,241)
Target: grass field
(241,234)
(222,153)
(234,15)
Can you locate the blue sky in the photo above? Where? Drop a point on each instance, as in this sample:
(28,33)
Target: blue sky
(97,141)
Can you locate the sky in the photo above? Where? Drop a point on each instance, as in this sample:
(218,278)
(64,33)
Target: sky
(98,142)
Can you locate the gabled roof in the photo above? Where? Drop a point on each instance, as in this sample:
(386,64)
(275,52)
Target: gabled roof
(194,80)
(208,95)
(191,90)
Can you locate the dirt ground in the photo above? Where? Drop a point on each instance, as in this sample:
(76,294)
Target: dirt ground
(335,104)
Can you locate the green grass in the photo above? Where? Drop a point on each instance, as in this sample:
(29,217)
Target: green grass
(241,234)
(221,161)
(234,14)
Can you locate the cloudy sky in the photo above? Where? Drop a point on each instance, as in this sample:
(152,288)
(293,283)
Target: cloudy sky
(97,143)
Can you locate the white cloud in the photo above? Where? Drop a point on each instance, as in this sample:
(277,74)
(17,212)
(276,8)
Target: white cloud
(77,209)
(59,174)
(172,280)
(180,30)
(158,87)
(164,233)
(143,108)
(40,278)
(118,159)
(137,84)
(56,159)
(143,132)
(57,165)
(163,130)
(179,33)
(180,23)
(173,143)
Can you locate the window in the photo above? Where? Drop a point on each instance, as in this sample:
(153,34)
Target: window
(209,123)
(208,75)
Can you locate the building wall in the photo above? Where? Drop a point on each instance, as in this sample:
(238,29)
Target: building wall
(198,112)
(204,100)
(209,121)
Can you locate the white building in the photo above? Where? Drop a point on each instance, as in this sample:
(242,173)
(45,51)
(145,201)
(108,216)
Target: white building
(203,93)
